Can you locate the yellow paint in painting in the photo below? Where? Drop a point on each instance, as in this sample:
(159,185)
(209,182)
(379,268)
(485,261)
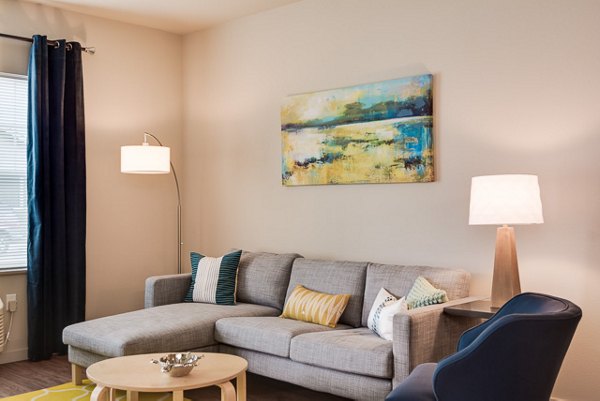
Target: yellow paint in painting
(357,169)
(353,153)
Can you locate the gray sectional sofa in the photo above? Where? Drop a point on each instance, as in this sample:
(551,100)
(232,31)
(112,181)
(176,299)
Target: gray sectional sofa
(349,360)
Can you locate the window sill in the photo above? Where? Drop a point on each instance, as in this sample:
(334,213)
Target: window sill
(14,270)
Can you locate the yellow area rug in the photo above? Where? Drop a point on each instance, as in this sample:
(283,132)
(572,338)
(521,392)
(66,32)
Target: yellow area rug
(71,392)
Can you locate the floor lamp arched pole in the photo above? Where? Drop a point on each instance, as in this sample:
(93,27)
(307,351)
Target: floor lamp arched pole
(146,159)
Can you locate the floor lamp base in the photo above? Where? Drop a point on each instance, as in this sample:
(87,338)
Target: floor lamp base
(505,284)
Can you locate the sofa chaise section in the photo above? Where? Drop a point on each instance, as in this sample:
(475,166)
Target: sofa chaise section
(167,324)
(167,328)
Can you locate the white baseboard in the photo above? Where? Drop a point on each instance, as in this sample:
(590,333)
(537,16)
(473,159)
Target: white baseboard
(13,356)
(557,399)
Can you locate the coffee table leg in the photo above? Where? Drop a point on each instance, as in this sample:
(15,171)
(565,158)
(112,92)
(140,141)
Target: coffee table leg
(100,393)
(131,395)
(227,391)
(240,384)
(177,395)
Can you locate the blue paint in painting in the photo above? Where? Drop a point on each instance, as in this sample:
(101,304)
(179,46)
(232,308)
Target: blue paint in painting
(374,102)
(389,90)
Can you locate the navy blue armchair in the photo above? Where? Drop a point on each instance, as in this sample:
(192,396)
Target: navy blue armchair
(514,356)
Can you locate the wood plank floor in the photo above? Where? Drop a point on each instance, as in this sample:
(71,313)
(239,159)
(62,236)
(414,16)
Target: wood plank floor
(22,377)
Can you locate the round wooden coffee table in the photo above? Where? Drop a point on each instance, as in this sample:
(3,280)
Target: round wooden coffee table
(136,373)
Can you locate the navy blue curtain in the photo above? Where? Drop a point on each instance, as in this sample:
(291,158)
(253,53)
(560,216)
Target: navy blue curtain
(56,188)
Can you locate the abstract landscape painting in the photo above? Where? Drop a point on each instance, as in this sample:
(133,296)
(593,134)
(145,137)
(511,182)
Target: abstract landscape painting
(373,133)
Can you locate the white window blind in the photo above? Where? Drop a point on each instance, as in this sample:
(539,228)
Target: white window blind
(13,171)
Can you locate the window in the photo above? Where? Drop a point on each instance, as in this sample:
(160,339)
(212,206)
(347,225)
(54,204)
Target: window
(13,171)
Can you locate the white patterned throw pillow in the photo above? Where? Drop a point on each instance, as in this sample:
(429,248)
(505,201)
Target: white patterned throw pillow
(381,316)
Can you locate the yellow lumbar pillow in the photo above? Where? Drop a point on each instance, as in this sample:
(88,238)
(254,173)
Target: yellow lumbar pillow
(315,307)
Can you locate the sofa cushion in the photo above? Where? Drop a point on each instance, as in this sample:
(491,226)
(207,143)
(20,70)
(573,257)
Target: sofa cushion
(398,280)
(315,307)
(423,294)
(381,316)
(333,277)
(355,351)
(168,328)
(263,278)
(213,279)
(271,335)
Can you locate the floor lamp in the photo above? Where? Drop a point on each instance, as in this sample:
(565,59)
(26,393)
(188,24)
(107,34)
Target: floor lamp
(147,159)
(503,200)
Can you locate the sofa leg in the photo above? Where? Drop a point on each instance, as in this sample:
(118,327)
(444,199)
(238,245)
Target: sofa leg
(77,374)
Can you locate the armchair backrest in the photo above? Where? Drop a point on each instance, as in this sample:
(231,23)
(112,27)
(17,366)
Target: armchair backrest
(516,355)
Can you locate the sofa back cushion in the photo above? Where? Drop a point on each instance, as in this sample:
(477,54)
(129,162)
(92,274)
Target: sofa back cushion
(263,278)
(333,277)
(398,280)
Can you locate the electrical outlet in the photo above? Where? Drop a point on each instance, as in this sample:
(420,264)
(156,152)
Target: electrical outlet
(11,302)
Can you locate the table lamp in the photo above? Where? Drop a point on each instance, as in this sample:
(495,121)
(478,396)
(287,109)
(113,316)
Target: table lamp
(505,200)
(147,159)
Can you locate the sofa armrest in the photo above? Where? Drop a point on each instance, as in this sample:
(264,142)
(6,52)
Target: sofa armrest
(164,290)
(426,334)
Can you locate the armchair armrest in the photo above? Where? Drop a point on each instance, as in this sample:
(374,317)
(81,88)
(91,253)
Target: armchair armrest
(426,335)
(164,290)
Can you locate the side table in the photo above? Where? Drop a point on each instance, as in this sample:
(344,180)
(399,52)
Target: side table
(481,308)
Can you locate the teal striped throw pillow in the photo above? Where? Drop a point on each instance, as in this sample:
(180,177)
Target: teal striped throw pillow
(213,279)
(423,293)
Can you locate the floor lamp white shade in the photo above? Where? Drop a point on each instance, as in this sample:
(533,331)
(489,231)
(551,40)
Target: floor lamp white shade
(503,200)
(145,159)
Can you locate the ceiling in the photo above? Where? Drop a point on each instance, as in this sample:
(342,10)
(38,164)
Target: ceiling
(177,16)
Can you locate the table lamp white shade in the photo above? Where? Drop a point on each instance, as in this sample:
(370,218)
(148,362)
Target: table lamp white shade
(505,199)
(145,159)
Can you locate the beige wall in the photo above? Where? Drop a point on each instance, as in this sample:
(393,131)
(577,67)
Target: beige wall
(132,84)
(516,90)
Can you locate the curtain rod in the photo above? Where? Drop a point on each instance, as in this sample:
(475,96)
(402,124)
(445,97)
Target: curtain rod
(89,50)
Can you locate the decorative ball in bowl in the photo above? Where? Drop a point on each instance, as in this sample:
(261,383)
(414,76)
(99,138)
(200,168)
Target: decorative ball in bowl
(177,365)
